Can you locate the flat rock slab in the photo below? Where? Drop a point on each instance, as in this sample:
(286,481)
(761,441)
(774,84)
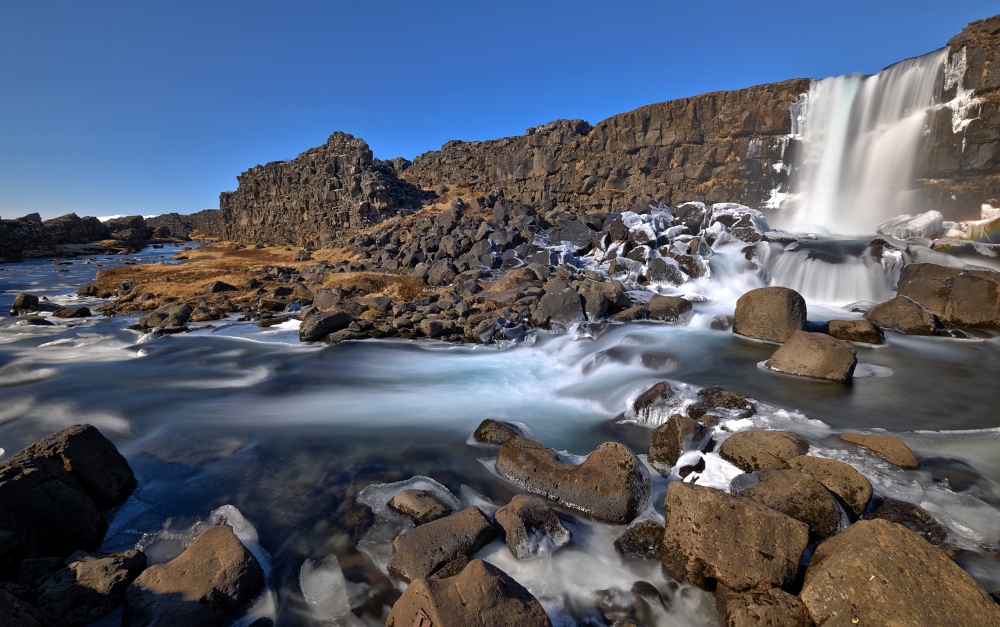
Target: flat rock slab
(420,552)
(891,449)
(203,586)
(794,494)
(481,595)
(713,536)
(842,479)
(762,450)
(770,313)
(612,484)
(420,506)
(879,573)
(531,527)
(815,355)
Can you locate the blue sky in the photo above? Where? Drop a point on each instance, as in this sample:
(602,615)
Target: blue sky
(150,107)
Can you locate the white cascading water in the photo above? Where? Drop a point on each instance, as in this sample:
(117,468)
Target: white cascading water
(861,140)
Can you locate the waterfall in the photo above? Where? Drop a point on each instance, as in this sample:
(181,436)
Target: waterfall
(861,141)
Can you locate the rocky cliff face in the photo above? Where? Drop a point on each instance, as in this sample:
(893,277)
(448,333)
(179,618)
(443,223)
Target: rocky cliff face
(314,198)
(23,235)
(207,222)
(961,167)
(723,146)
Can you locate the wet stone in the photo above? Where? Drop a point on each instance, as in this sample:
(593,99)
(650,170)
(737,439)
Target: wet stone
(419,505)
(496,432)
(641,540)
(762,450)
(891,449)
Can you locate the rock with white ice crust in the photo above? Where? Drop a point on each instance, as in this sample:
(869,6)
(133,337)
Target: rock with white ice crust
(879,573)
(612,484)
(674,437)
(420,552)
(929,225)
(531,527)
(420,506)
(481,595)
(762,450)
(815,355)
(770,313)
(712,537)
(203,586)
(655,405)
(641,540)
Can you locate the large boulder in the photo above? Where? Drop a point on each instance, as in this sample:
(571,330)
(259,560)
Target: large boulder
(794,494)
(481,595)
(420,552)
(975,300)
(612,484)
(928,284)
(531,528)
(762,450)
(169,315)
(837,477)
(889,448)
(902,314)
(203,586)
(671,439)
(670,308)
(773,608)
(24,304)
(879,573)
(815,355)
(563,307)
(770,313)
(89,587)
(713,537)
(317,325)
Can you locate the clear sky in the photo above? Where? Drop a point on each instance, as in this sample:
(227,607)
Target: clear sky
(149,107)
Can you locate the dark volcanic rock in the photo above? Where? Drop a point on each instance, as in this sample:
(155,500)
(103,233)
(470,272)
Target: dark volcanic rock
(794,494)
(17,612)
(482,595)
(72,312)
(762,450)
(612,484)
(815,355)
(879,573)
(713,537)
(317,325)
(655,405)
(204,585)
(714,397)
(641,540)
(24,304)
(530,526)
(169,315)
(913,517)
(420,552)
(770,313)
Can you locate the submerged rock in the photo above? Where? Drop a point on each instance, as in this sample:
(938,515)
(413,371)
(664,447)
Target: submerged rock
(204,585)
(891,449)
(481,595)
(420,552)
(713,537)
(879,573)
(815,355)
(794,494)
(762,450)
(840,478)
(420,506)
(770,313)
(714,397)
(531,527)
(612,484)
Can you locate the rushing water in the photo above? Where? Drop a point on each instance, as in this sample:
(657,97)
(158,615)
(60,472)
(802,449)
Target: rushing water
(248,426)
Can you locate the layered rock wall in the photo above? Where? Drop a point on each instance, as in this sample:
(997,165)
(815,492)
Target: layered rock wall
(723,146)
(316,197)
(28,233)
(207,222)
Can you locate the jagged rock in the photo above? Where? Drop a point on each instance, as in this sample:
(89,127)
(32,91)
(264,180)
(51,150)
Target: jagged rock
(420,552)
(670,309)
(72,312)
(840,478)
(612,484)
(482,595)
(317,325)
(815,355)
(672,438)
(215,287)
(441,273)
(773,607)
(641,540)
(856,331)
(879,573)
(89,587)
(531,527)
(496,432)
(711,537)
(913,517)
(169,315)
(419,505)
(794,494)
(660,270)
(891,449)
(904,315)
(24,304)
(770,313)
(564,306)
(203,586)
(762,450)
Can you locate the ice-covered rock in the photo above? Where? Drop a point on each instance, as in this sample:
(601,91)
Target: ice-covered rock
(927,225)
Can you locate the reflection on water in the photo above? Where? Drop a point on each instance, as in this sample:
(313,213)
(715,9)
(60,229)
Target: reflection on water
(289,434)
